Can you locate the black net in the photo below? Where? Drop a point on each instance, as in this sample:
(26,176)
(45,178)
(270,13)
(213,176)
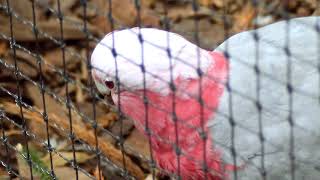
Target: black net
(221,93)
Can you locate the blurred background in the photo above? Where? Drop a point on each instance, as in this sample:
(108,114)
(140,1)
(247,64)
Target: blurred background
(53,122)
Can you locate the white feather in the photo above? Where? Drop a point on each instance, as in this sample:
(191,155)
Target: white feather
(184,57)
(304,45)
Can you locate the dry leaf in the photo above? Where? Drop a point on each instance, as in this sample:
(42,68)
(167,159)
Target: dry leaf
(124,12)
(54,57)
(69,173)
(3,48)
(138,143)
(150,177)
(217,3)
(147,3)
(244,19)
(23,8)
(186,11)
(81,157)
(26,68)
(102,23)
(107,119)
(52,106)
(210,35)
(65,5)
(96,174)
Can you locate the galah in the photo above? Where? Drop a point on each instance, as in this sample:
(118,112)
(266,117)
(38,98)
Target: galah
(247,110)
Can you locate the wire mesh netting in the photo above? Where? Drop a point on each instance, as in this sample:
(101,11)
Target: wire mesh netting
(159,89)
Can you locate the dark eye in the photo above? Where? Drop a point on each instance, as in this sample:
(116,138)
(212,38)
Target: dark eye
(109,84)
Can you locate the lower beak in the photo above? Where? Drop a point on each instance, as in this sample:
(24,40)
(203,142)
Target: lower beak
(108,99)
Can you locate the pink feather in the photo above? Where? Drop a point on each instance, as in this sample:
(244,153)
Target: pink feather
(189,122)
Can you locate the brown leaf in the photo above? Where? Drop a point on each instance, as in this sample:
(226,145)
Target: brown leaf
(102,23)
(23,8)
(218,3)
(25,56)
(186,11)
(122,127)
(69,173)
(303,11)
(23,66)
(57,160)
(54,57)
(210,35)
(10,86)
(65,5)
(147,3)
(52,106)
(3,48)
(244,18)
(138,143)
(124,13)
(80,98)
(103,116)
(107,119)
(316,12)
(97,175)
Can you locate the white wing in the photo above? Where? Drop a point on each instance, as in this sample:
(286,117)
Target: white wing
(270,51)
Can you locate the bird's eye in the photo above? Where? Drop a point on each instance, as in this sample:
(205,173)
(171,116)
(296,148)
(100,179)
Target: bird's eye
(109,84)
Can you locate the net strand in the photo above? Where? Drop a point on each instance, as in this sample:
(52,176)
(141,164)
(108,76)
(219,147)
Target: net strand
(17,78)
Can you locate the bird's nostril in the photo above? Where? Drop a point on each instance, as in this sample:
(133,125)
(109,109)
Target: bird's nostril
(109,84)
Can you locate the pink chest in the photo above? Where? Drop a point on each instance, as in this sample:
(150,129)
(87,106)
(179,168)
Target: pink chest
(169,117)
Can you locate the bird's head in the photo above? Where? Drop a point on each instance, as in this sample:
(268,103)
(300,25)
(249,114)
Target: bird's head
(138,58)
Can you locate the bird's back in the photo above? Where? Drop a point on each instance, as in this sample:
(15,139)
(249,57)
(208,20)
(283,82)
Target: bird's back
(274,78)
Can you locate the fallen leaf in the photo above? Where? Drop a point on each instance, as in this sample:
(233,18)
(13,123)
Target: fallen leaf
(138,144)
(150,177)
(186,11)
(96,174)
(124,12)
(244,18)
(23,66)
(54,57)
(147,3)
(52,105)
(23,8)
(65,5)
(107,119)
(217,3)
(210,35)
(303,11)
(102,23)
(3,48)
(57,160)
(70,173)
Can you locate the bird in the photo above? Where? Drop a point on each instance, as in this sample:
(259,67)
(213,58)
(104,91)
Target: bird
(248,109)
